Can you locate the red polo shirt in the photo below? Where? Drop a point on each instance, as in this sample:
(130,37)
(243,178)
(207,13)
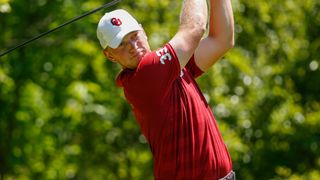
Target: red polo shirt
(175,118)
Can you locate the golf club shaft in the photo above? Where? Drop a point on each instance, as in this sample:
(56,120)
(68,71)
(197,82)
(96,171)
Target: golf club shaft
(64,24)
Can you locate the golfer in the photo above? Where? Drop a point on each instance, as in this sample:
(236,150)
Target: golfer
(160,86)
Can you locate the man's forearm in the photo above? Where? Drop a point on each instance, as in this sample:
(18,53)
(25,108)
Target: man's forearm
(221,21)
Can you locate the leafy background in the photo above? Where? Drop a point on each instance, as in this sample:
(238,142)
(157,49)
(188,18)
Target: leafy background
(62,117)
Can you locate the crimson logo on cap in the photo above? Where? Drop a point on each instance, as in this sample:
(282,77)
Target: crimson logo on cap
(116,22)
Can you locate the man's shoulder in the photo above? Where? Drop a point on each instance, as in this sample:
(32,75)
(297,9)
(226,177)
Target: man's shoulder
(123,75)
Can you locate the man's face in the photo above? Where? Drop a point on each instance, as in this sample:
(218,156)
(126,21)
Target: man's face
(131,50)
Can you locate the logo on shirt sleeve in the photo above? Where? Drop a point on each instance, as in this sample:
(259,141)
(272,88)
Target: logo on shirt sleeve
(164,55)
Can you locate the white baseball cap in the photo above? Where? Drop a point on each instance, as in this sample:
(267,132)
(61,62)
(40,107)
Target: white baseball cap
(113,26)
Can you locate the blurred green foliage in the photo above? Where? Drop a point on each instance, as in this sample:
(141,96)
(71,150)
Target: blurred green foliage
(62,116)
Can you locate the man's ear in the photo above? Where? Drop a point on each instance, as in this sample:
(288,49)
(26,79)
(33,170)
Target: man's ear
(109,56)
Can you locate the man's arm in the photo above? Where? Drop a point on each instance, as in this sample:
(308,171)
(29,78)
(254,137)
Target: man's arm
(220,37)
(193,19)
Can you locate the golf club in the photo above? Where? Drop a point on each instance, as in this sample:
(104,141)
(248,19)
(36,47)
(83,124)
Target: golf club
(62,25)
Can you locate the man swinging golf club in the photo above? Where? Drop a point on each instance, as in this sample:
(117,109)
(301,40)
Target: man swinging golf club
(160,85)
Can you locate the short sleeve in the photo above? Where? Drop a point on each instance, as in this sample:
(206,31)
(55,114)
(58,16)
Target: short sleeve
(193,69)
